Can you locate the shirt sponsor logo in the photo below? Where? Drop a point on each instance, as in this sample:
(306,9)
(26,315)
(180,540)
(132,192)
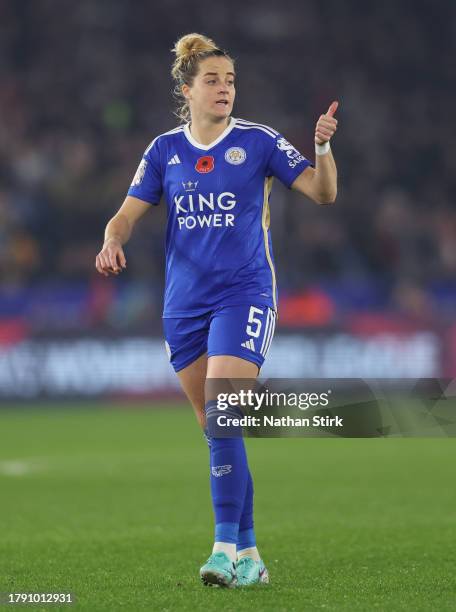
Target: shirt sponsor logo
(235,155)
(294,156)
(198,210)
(205,164)
(140,172)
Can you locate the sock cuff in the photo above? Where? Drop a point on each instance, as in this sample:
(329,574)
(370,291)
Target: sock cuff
(227,532)
(246,521)
(246,539)
(227,426)
(210,406)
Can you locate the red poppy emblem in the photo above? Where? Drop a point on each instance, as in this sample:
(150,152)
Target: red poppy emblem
(205,164)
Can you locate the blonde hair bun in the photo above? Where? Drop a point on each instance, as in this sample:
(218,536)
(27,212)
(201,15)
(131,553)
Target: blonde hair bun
(193,44)
(190,50)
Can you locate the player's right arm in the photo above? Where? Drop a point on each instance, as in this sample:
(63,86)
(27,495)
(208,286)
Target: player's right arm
(111,258)
(145,190)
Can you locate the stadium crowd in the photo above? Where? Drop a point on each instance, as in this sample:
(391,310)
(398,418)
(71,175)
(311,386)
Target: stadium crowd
(86,88)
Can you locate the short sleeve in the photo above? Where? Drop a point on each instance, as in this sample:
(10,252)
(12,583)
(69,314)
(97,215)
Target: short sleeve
(147,182)
(286,162)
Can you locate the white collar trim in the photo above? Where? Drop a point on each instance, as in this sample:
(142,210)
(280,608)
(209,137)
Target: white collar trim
(198,145)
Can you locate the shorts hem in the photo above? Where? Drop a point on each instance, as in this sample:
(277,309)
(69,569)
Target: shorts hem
(233,354)
(188,362)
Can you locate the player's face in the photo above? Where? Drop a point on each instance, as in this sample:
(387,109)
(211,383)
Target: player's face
(213,92)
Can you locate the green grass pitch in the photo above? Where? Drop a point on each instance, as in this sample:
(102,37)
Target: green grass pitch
(113,506)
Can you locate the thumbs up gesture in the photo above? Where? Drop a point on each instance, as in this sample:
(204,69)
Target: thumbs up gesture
(326,125)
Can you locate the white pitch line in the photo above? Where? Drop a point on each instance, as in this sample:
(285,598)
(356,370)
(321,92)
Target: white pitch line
(16,468)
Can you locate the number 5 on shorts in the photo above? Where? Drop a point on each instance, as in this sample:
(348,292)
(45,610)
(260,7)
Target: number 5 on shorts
(249,329)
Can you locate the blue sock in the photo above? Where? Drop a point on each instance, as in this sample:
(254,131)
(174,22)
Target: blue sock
(224,532)
(229,475)
(246,536)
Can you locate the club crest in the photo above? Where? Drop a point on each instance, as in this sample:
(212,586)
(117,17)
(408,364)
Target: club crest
(235,155)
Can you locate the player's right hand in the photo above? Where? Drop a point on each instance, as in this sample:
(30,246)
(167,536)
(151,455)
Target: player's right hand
(111,258)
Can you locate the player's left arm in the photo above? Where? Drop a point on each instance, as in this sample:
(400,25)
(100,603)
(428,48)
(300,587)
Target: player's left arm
(320,183)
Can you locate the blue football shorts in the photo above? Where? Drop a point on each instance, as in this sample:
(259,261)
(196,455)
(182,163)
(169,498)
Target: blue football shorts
(244,331)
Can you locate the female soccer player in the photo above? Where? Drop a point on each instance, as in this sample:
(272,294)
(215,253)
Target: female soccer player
(220,301)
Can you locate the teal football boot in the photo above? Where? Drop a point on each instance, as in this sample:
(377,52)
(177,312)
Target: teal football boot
(250,572)
(219,571)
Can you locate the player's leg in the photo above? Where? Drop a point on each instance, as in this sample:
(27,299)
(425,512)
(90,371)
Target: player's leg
(233,355)
(250,568)
(186,345)
(228,479)
(229,366)
(229,470)
(192,379)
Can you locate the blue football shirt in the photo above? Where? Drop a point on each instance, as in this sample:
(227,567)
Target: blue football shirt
(218,242)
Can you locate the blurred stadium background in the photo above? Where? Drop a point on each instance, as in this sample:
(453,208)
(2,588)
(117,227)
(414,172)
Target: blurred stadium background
(367,287)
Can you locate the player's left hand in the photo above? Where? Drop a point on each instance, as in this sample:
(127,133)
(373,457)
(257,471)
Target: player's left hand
(326,125)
